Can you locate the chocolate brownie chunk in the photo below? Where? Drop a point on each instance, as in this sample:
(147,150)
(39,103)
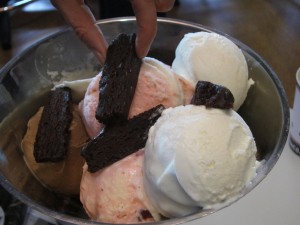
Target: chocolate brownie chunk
(119,79)
(52,138)
(144,215)
(120,140)
(212,95)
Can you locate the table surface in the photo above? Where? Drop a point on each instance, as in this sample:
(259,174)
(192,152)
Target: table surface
(275,201)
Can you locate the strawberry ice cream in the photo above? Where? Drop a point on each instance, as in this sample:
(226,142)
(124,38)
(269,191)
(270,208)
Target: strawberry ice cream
(88,105)
(116,193)
(157,84)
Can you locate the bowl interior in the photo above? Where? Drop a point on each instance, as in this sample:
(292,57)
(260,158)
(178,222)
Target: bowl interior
(26,80)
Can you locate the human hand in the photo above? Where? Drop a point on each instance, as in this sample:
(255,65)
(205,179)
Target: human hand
(79,16)
(146,15)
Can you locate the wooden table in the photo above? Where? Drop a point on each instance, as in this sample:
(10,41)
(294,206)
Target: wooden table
(269,27)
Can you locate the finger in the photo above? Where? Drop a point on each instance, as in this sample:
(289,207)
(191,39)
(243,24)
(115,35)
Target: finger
(78,15)
(164,5)
(145,12)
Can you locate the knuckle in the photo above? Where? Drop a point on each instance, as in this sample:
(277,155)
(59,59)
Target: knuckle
(81,32)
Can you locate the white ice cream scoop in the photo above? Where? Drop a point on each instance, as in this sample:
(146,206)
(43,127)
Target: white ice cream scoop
(197,157)
(213,57)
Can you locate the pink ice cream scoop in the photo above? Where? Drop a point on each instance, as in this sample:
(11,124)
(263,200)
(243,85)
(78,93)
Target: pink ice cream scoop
(116,193)
(157,84)
(88,106)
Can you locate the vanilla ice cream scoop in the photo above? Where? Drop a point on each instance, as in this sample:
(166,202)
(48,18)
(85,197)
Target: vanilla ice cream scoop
(197,157)
(213,57)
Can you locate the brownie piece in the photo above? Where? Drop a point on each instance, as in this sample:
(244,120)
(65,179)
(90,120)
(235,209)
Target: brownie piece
(120,140)
(144,214)
(52,137)
(212,95)
(119,79)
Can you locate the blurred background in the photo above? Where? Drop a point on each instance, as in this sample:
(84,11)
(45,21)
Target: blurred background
(269,27)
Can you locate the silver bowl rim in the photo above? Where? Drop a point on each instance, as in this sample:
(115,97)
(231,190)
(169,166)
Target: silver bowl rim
(271,162)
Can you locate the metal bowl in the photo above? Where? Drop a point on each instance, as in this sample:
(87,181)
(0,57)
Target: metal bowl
(27,79)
